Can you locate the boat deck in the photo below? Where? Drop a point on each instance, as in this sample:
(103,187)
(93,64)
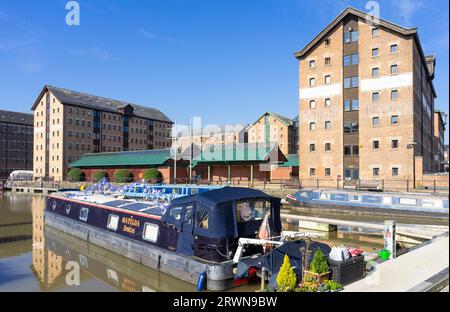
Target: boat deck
(146,207)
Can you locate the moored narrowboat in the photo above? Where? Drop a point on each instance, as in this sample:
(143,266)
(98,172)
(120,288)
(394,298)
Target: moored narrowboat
(193,235)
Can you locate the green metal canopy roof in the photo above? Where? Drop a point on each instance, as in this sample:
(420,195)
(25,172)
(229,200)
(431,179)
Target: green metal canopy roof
(136,158)
(227,153)
(292,161)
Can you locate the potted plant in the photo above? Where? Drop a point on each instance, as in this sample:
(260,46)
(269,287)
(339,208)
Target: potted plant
(330,286)
(318,270)
(286,279)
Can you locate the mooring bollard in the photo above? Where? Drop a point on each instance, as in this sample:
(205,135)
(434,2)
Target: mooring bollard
(389,238)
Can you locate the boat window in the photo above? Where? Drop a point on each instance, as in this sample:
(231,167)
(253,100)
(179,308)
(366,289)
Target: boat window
(150,232)
(201,217)
(428,203)
(113,222)
(175,212)
(251,210)
(84,212)
(408,201)
(355,198)
(188,214)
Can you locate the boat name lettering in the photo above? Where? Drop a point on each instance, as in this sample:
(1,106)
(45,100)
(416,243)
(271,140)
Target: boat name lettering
(131,222)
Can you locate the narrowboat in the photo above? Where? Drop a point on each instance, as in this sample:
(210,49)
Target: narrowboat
(385,203)
(167,191)
(193,236)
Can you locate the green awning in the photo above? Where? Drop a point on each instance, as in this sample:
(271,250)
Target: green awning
(137,158)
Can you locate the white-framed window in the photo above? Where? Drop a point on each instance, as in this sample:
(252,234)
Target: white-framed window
(327,79)
(84,212)
(327,102)
(150,232)
(113,222)
(312,64)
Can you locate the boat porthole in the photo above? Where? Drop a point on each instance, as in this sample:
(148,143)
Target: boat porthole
(54,205)
(68,207)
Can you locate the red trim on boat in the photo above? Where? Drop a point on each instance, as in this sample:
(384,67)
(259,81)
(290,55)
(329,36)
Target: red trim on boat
(108,207)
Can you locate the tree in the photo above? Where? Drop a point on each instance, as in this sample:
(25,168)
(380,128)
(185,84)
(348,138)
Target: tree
(286,278)
(98,175)
(319,263)
(123,176)
(76,175)
(152,174)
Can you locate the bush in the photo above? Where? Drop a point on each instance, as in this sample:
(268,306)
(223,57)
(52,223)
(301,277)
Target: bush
(152,174)
(319,263)
(98,175)
(122,176)
(76,175)
(286,278)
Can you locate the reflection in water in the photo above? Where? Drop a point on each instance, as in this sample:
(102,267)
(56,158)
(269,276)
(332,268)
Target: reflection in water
(44,258)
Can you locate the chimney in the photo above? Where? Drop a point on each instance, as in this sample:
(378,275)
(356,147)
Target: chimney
(431,64)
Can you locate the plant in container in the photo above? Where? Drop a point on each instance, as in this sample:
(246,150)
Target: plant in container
(319,270)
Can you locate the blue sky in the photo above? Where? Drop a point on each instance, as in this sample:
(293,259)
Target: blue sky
(225,60)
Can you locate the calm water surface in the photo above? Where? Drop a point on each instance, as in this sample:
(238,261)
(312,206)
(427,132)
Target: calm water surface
(35,258)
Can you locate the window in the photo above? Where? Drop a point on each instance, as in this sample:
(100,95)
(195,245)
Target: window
(376,144)
(350,127)
(355,104)
(394,69)
(327,125)
(394,119)
(375,121)
(347,105)
(327,42)
(394,144)
(312,147)
(376,172)
(201,217)
(312,64)
(113,222)
(375,52)
(312,82)
(375,97)
(327,79)
(347,37)
(312,104)
(351,59)
(394,95)
(354,35)
(84,212)
(347,60)
(347,150)
(327,172)
(375,72)
(327,147)
(355,149)
(312,126)
(351,82)
(355,59)
(375,32)
(312,172)
(251,210)
(394,48)
(394,171)
(327,61)
(327,102)
(150,232)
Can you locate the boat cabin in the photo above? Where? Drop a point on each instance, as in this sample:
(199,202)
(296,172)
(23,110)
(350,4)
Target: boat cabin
(209,224)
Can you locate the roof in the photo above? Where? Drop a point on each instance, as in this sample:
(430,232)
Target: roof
(244,152)
(70,97)
(382,24)
(206,131)
(285,120)
(224,194)
(292,161)
(135,158)
(17,118)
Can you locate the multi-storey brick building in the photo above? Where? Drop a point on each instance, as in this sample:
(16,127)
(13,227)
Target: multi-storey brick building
(366,101)
(439,145)
(69,124)
(273,128)
(16,142)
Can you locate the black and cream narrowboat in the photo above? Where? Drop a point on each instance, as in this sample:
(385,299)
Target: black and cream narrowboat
(194,235)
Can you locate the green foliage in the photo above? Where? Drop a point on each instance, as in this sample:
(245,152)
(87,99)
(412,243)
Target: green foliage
(307,288)
(286,278)
(152,174)
(319,263)
(98,175)
(330,286)
(76,175)
(122,176)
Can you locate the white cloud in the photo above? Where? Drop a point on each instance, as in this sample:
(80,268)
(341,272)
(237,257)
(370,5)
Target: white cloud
(95,52)
(152,36)
(407,9)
